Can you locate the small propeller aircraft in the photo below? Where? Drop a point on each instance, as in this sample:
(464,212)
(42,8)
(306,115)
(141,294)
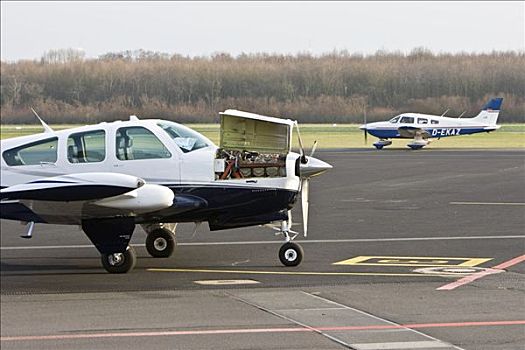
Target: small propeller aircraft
(109,177)
(421,127)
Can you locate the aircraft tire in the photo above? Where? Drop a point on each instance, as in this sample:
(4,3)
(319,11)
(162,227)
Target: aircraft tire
(160,243)
(291,254)
(119,262)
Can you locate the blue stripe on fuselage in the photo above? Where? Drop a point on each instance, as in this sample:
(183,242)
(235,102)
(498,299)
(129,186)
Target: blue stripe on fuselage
(433,132)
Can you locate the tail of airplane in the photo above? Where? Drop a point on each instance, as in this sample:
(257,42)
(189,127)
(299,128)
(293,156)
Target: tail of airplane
(489,113)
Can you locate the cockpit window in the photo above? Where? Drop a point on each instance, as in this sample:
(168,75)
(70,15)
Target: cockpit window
(434,121)
(39,152)
(407,120)
(422,121)
(394,120)
(187,139)
(136,142)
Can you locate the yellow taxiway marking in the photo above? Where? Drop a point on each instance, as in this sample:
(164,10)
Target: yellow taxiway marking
(419,261)
(488,203)
(303,273)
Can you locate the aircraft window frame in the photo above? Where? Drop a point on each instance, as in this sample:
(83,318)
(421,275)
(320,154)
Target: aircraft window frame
(405,117)
(186,139)
(433,121)
(79,152)
(12,156)
(126,148)
(422,120)
(394,120)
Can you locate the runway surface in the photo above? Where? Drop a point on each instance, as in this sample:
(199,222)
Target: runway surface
(406,250)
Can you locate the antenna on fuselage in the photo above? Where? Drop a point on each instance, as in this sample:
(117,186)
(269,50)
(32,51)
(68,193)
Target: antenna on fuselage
(461,115)
(46,127)
(445,112)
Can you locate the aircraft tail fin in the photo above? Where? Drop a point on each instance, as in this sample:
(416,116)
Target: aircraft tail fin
(490,112)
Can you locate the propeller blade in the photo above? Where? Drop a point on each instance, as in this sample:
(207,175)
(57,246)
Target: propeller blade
(314,147)
(305,204)
(303,156)
(366,136)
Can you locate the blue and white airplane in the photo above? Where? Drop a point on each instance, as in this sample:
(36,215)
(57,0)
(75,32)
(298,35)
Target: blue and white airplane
(110,177)
(421,127)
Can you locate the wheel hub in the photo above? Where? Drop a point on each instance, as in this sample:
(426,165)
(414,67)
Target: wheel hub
(115,259)
(290,255)
(160,244)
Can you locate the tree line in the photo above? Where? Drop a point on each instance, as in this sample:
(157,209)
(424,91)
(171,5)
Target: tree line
(65,87)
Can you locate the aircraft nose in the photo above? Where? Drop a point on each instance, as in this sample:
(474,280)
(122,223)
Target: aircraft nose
(363,127)
(313,167)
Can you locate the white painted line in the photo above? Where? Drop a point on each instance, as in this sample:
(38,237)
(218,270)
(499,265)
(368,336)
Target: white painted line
(312,241)
(225,282)
(432,344)
(487,203)
(380,319)
(311,309)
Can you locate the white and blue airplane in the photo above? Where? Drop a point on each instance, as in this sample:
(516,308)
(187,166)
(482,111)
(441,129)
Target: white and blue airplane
(108,178)
(421,127)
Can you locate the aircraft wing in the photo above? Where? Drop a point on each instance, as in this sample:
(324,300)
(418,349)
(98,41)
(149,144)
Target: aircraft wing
(74,187)
(410,131)
(71,198)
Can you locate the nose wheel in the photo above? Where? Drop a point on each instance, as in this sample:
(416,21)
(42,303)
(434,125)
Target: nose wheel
(291,254)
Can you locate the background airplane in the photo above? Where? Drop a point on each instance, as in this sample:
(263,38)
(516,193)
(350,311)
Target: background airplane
(109,177)
(422,127)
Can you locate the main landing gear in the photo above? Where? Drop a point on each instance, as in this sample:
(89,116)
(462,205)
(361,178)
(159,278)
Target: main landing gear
(111,238)
(119,262)
(160,242)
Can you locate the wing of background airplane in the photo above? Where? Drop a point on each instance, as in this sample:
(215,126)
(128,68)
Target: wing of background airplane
(410,131)
(85,195)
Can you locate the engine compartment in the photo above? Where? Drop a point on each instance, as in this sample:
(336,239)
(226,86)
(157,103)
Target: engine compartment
(234,164)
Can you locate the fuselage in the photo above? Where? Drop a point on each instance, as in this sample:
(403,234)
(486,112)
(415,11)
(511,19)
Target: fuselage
(434,126)
(159,152)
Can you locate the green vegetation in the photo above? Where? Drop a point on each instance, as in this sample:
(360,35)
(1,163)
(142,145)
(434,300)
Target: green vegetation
(341,136)
(333,88)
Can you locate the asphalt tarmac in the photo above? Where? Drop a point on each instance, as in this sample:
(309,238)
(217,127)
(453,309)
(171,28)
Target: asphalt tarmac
(406,250)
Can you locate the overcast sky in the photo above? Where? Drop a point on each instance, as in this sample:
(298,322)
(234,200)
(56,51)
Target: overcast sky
(188,28)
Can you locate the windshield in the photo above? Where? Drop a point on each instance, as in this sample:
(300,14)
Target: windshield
(187,139)
(394,120)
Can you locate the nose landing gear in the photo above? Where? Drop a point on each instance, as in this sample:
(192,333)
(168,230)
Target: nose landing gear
(290,254)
